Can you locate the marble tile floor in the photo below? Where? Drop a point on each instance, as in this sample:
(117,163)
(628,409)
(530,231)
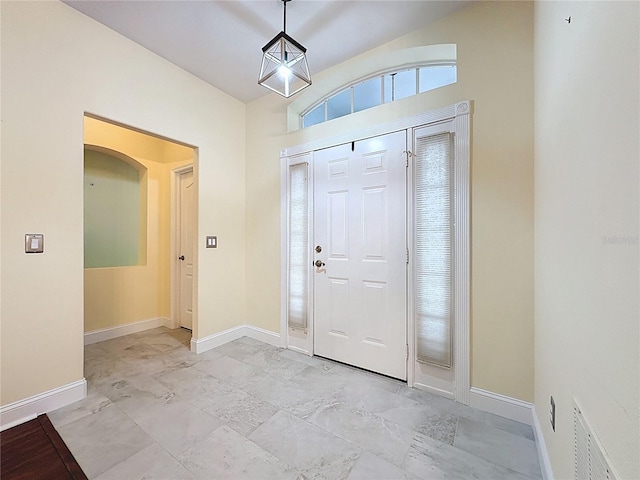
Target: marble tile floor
(248,410)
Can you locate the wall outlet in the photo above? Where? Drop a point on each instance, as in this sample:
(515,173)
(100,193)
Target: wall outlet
(553,414)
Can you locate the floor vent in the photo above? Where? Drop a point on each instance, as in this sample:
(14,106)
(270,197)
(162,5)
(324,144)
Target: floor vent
(591,460)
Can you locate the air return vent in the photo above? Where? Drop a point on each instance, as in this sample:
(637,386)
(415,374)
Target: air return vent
(591,460)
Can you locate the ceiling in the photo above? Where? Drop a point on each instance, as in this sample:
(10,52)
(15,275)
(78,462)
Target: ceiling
(220,41)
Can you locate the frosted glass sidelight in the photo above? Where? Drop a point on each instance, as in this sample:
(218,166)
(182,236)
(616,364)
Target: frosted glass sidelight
(298,298)
(433,249)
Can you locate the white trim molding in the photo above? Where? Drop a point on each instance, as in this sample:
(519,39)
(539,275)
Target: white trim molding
(266,336)
(120,330)
(520,411)
(501,405)
(300,339)
(458,115)
(437,391)
(201,345)
(175,244)
(463,108)
(543,454)
(462,253)
(24,410)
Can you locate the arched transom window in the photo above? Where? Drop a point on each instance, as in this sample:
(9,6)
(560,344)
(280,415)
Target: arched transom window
(378,89)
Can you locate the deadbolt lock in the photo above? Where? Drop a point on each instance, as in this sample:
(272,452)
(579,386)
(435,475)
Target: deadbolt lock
(318,249)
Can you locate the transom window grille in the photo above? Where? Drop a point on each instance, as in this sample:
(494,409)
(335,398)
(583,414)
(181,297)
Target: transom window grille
(380,89)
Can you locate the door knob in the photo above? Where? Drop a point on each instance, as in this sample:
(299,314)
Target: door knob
(319,263)
(181,257)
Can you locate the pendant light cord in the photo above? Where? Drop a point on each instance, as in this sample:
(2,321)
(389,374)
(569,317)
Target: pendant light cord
(284,27)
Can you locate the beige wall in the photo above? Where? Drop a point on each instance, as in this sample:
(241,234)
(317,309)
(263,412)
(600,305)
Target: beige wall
(121,295)
(586,222)
(58,64)
(495,70)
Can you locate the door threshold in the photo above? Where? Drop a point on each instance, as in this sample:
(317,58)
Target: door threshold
(354,367)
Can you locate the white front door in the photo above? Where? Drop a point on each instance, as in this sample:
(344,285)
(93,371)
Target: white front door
(360,230)
(186,224)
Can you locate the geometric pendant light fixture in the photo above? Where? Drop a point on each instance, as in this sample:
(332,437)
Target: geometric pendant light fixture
(284,68)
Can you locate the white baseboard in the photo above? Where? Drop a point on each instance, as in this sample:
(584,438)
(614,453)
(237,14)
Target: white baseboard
(200,345)
(543,453)
(23,410)
(127,329)
(434,390)
(212,341)
(501,405)
(298,350)
(519,411)
(266,336)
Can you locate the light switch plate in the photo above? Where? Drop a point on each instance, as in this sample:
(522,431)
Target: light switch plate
(34,243)
(212,241)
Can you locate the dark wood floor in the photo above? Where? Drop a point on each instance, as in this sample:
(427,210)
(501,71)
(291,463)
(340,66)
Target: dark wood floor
(35,451)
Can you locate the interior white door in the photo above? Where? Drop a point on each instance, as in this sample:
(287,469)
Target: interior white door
(360,229)
(186,222)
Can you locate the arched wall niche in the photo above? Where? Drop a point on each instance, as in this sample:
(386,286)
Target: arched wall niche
(115,209)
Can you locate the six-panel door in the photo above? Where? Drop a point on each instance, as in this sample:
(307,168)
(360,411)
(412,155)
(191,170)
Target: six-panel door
(360,227)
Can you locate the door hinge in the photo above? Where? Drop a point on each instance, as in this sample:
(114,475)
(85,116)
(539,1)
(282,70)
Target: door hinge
(407,352)
(407,256)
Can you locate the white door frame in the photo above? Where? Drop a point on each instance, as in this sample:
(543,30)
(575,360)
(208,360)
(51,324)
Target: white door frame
(459,113)
(175,243)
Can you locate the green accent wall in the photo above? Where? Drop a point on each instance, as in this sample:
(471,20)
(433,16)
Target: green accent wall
(111,211)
